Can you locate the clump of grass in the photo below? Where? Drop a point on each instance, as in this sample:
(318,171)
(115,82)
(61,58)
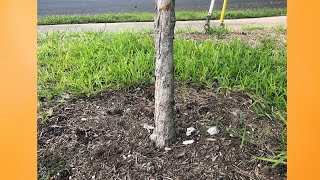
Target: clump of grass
(280,29)
(149,17)
(86,63)
(220,32)
(252,28)
(51,165)
(216,121)
(281,158)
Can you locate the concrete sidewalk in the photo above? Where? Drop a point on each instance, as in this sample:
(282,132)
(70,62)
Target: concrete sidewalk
(194,25)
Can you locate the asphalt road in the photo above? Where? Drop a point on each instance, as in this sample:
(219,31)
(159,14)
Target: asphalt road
(60,7)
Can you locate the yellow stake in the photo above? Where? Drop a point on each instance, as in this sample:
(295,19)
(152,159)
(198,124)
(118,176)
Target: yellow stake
(223,12)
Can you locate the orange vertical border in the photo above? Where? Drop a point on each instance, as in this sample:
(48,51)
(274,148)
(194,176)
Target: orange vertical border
(303,90)
(18,79)
(18,90)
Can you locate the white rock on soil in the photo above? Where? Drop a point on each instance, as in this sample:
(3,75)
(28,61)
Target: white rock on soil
(213,130)
(190,130)
(147,127)
(187,142)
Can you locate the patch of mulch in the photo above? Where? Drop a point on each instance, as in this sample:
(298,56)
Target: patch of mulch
(103,137)
(253,38)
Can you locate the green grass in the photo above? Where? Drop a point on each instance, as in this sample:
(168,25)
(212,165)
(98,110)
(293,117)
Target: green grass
(86,63)
(281,158)
(243,137)
(280,29)
(148,17)
(220,32)
(252,28)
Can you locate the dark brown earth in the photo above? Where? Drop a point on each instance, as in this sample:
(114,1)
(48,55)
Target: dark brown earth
(103,138)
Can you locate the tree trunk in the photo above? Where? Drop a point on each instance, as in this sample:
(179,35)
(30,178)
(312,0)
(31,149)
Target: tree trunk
(164,133)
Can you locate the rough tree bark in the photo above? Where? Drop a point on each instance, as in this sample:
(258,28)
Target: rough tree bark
(164,133)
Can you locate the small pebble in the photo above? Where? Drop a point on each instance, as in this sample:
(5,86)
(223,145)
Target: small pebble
(213,130)
(190,130)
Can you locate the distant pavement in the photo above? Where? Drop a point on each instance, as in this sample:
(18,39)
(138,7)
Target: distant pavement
(64,7)
(194,25)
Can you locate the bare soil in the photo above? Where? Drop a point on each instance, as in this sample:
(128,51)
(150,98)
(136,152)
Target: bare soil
(103,137)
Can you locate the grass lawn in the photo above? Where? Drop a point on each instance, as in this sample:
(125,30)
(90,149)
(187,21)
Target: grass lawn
(147,17)
(86,63)
(83,64)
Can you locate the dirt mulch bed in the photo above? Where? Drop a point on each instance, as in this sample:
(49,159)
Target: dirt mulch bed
(253,37)
(103,138)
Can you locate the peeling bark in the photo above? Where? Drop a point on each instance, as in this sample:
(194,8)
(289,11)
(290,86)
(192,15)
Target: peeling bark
(164,133)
